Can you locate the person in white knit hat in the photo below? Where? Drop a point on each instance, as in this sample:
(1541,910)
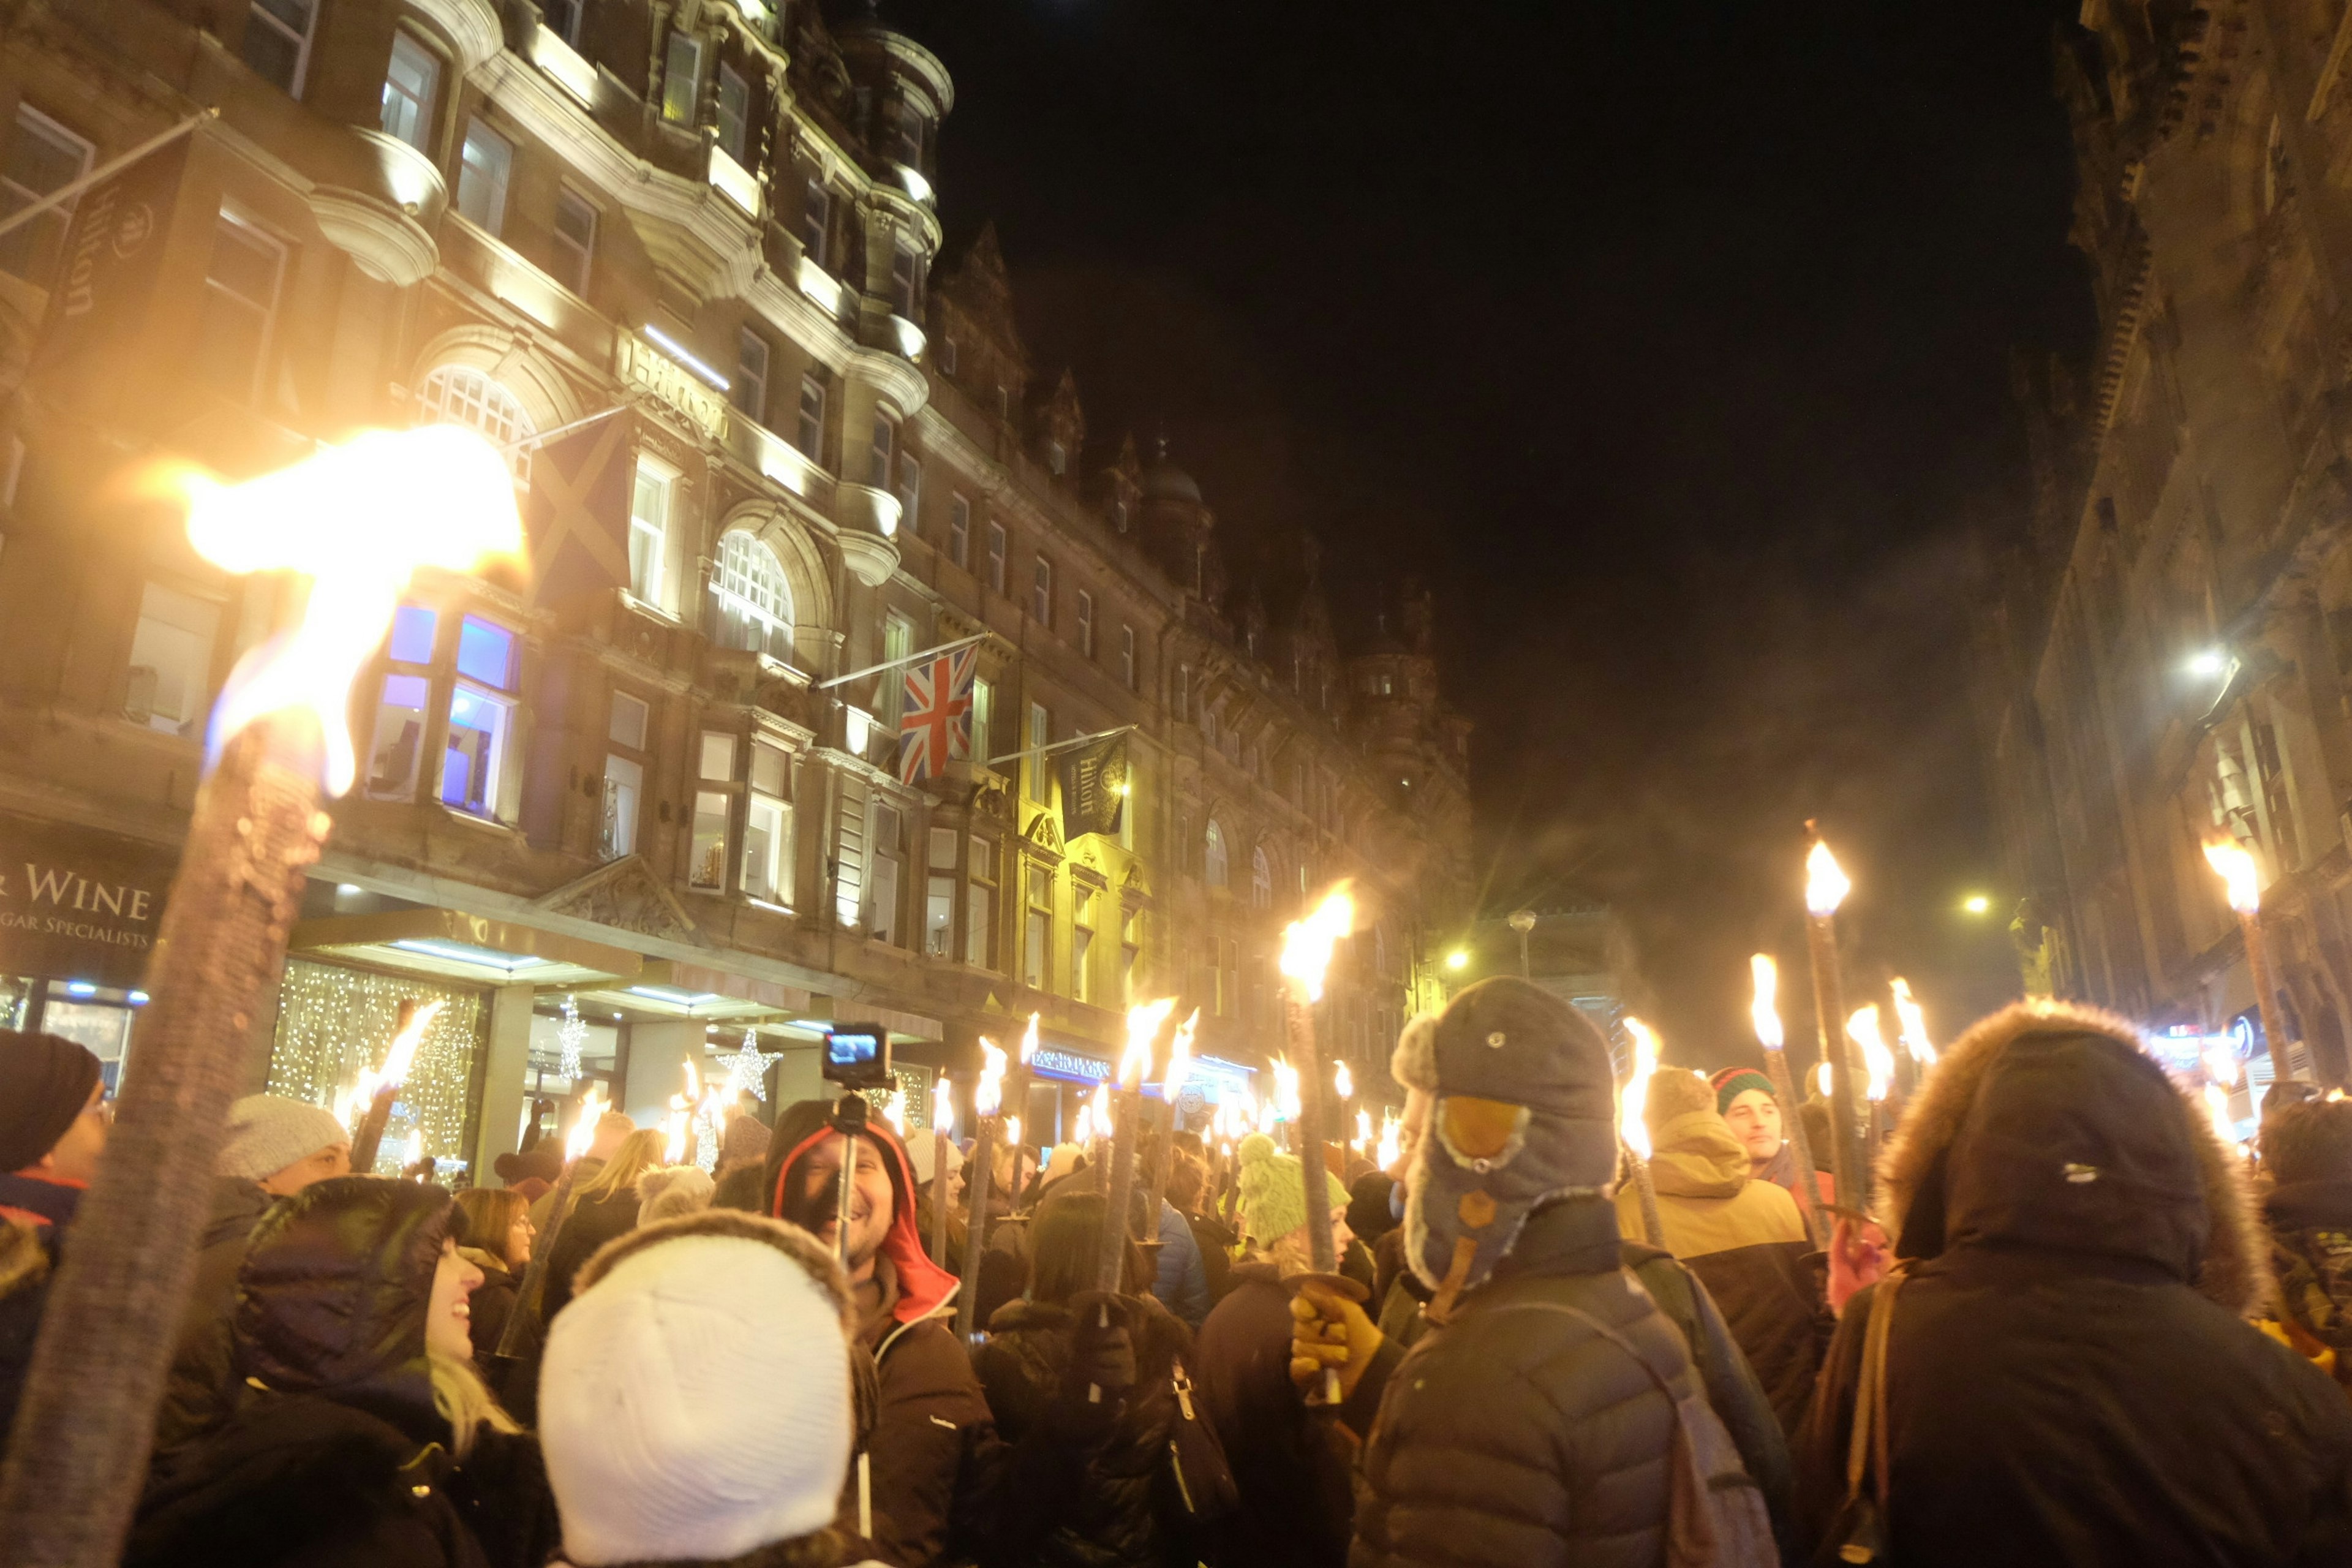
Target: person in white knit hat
(694,1401)
(275,1148)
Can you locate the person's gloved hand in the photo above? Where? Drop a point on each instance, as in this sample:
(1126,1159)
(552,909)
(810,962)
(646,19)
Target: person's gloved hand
(1329,1331)
(1102,1351)
(1858,1257)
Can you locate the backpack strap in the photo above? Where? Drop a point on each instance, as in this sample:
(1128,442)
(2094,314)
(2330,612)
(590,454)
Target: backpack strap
(1867,1449)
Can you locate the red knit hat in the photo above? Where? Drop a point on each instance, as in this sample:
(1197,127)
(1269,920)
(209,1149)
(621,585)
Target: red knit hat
(1730,1083)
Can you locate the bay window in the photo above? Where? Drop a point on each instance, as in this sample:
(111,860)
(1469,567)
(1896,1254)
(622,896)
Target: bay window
(751,603)
(403,703)
(410,82)
(706,859)
(473,696)
(768,825)
(649,515)
(481,718)
(938,893)
(980,905)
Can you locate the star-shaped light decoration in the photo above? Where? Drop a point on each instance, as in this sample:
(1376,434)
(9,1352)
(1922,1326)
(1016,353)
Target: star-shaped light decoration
(748,1068)
(570,1036)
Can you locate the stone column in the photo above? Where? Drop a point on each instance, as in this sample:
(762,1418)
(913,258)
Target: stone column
(506,1052)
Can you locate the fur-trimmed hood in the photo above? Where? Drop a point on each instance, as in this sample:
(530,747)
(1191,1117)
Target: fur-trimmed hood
(2048,1124)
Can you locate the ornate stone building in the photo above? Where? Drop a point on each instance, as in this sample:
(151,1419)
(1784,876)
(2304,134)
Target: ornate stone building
(2165,658)
(660,822)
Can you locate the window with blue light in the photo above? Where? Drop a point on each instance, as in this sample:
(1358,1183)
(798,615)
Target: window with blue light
(414,628)
(485,652)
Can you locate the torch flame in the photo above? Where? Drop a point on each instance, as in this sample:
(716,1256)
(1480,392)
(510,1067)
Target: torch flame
(1824,1078)
(1914,1030)
(693,1082)
(1392,1143)
(1180,1057)
(359,519)
(1029,1040)
(1286,1090)
(1363,1129)
(988,1094)
(583,1131)
(1630,1126)
(1764,1010)
(896,1115)
(2236,868)
(2217,1107)
(403,1044)
(1341,1084)
(1013,1132)
(943,1113)
(1102,1110)
(2222,1064)
(1306,944)
(674,1131)
(1825,885)
(1876,1059)
(1086,1129)
(1144,1021)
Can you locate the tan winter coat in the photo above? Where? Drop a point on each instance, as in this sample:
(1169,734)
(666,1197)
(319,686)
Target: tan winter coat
(1706,1200)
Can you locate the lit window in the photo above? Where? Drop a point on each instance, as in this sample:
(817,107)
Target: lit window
(882,881)
(939,894)
(481,714)
(751,387)
(482,168)
(996,556)
(1213,855)
(959,531)
(649,510)
(397,746)
(681,77)
(240,305)
(1041,593)
(278,41)
(810,435)
(898,643)
(42,156)
(734,112)
(768,825)
(753,602)
(911,127)
(410,82)
(906,283)
(1261,879)
(170,686)
(1126,656)
(1041,734)
(1081,941)
(563,18)
(816,221)
(1038,930)
(1086,623)
(983,717)
(910,490)
(460,394)
(883,450)
(625,777)
(707,860)
(980,905)
(576,240)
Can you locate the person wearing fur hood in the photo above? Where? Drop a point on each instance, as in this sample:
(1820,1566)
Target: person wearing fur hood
(2070,1376)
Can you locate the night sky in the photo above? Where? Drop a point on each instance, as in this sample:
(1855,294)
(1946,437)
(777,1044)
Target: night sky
(1670,343)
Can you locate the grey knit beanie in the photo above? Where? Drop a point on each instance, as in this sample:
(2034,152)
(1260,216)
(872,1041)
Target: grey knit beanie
(268,1133)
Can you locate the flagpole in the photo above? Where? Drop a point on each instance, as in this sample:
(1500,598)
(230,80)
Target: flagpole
(908,658)
(1062,745)
(543,436)
(73,188)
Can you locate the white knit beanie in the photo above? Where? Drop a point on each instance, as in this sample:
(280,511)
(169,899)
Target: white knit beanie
(694,1404)
(268,1133)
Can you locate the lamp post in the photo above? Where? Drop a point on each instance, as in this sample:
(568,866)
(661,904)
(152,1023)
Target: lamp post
(1523,922)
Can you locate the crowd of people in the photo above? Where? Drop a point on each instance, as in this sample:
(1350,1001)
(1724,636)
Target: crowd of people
(2078,1328)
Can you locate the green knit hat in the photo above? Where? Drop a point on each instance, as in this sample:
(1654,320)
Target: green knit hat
(1274,1190)
(1733,1082)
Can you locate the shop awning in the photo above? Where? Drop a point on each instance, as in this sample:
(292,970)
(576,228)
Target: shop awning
(475,948)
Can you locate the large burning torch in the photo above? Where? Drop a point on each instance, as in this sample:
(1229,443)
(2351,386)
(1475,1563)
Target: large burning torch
(1825,889)
(1862,1028)
(987,1099)
(1305,955)
(2239,875)
(1911,1028)
(380,1090)
(1172,1084)
(1633,1127)
(1143,1023)
(358,520)
(1765,1014)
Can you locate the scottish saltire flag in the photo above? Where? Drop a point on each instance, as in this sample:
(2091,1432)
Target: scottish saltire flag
(935,715)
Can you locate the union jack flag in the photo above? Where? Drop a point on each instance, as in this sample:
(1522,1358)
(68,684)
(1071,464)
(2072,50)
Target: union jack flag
(935,716)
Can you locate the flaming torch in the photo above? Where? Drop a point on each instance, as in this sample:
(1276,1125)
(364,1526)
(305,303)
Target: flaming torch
(1633,1129)
(1143,1024)
(1172,1084)
(1765,1013)
(381,1088)
(1825,889)
(1919,1051)
(942,1137)
(1016,1094)
(1862,1028)
(1343,1090)
(1306,954)
(358,520)
(2239,876)
(987,1099)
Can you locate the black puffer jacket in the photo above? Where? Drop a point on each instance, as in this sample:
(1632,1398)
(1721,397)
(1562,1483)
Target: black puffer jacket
(591,1223)
(196,1391)
(1514,1438)
(2070,1379)
(339,1426)
(1111,1518)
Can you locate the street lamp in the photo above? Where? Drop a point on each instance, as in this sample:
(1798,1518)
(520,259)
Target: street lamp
(1975,904)
(1522,922)
(1458,958)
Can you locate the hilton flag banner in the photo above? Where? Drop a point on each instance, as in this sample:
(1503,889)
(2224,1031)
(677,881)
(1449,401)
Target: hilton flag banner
(1094,787)
(935,714)
(576,520)
(106,276)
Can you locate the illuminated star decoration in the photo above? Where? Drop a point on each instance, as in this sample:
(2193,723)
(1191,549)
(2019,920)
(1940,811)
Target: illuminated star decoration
(570,1036)
(748,1068)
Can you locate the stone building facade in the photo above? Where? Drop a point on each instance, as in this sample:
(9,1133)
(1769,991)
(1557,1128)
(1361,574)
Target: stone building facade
(661,822)
(2165,655)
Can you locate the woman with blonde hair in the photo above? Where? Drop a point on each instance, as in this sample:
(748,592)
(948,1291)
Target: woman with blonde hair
(498,1241)
(604,1208)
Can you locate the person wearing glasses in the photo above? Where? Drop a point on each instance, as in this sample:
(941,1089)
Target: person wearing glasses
(54,1119)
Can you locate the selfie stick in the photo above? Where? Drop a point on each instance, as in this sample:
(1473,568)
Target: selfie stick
(849,1119)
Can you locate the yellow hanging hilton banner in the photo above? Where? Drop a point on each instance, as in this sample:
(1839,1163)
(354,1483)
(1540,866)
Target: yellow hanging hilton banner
(79,904)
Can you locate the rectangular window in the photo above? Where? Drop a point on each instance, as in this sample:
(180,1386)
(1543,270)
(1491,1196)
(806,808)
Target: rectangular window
(1039,928)
(1041,732)
(42,156)
(938,893)
(910,490)
(1041,593)
(1086,623)
(170,688)
(624,790)
(397,746)
(240,306)
(1082,940)
(481,716)
(1130,948)
(734,113)
(707,862)
(563,18)
(849,853)
(980,905)
(768,825)
(810,434)
(909,135)
(1183,691)
(984,717)
(959,531)
(947,356)
(482,168)
(410,84)
(996,556)
(882,884)
(576,240)
(1126,656)
(681,77)
(906,283)
(630,721)
(883,447)
(750,388)
(816,222)
(897,642)
(278,41)
(649,509)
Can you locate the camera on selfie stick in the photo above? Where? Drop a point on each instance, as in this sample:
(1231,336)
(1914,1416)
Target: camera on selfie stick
(857,1057)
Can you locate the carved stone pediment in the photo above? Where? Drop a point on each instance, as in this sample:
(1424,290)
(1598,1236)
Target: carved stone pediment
(1044,830)
(627,896)
(1134,881)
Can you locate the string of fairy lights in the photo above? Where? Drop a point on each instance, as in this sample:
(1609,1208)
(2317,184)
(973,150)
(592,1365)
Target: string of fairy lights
(332,1022)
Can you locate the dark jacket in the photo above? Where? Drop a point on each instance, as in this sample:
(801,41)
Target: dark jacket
(338,1426)
(26,1267)
(1514,1435)
(489,1306)
(1181,1280)
(196,1391)
(2070,1379)
(1293,1466)
(1216,1242)
(591,1224)
(1109,1515)
(2310,1225)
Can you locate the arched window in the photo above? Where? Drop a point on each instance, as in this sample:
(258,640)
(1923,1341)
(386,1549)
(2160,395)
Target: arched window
(460,394)
(750,601)
(1261,879)
(1213,855)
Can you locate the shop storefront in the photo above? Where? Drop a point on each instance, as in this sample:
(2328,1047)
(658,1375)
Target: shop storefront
(79,913)
(335,1019)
